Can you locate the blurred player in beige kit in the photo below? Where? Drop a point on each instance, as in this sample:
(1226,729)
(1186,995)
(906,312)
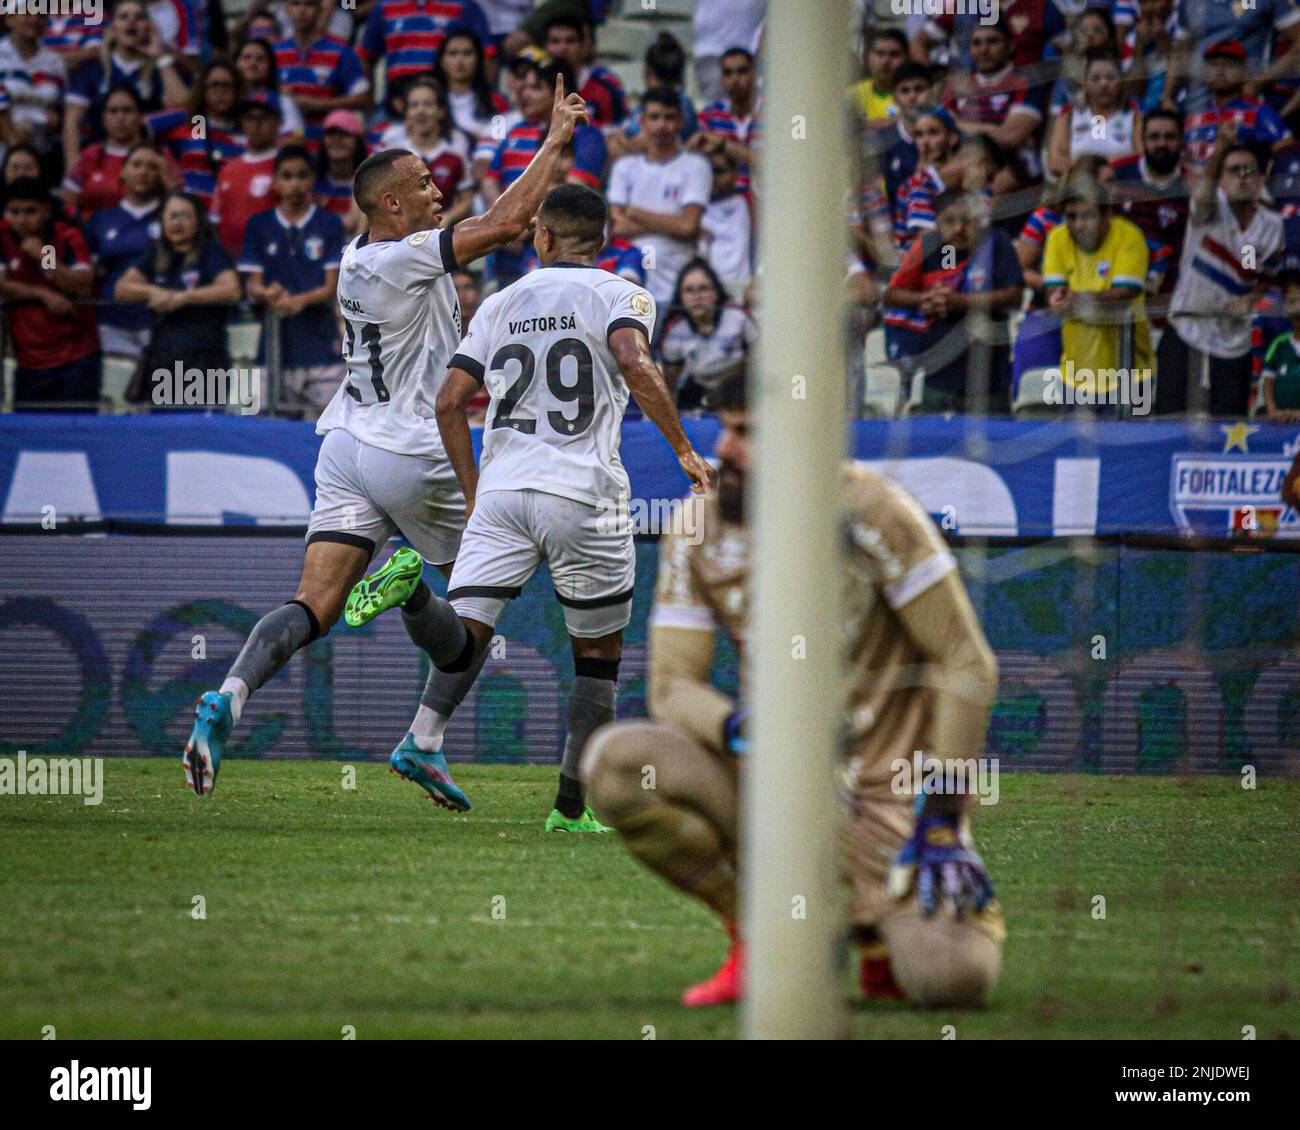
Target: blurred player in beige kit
(922,678)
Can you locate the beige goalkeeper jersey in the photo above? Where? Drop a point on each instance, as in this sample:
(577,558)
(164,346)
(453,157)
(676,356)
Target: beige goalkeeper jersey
(921,673)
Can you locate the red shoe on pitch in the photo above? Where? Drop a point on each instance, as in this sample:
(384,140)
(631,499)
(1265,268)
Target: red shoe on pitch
(726,985)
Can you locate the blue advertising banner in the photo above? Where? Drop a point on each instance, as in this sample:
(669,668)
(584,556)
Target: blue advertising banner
(977,477)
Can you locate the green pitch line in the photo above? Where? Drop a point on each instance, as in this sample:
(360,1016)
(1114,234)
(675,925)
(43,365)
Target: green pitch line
(328,907)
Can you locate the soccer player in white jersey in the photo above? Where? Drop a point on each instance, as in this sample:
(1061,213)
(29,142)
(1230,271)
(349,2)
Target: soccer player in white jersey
(559,351)
(381,467)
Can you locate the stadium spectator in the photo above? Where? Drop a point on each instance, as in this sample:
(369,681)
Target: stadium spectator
(342,151)
(204,135)
(937,140)
(410,33)
(290,261)
(1037,23)
(131,54)
(321,73)
(657,198)
(665,65)
(245,185)
(117,236)
(45,270)
(517,148)
(727,227)
(1092,32)
(188,282)
(892,149)
(180,25)
(426,129)
(734,122)
(1094,274)
(1257,126)
(1265,29)
(33,78)
(1038,340)
(717,26)
(461,67)
(1103,122)
(469,297)
(1230,248)
(20,163)
(994,99)
(1280,378)
(257,67)
(93,184)
(336,20)
(1148,54)
(873,97)
(571,40)
(960,267)
(1150,191)
(704,336)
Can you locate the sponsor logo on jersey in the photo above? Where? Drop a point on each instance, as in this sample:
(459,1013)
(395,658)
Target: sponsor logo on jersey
(419,239)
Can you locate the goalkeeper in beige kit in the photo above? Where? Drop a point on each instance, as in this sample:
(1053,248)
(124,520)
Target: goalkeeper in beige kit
(922,678)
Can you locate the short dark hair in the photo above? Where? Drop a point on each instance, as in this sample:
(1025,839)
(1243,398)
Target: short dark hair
(662,96)
(893,33)
(371,175)
(1163,112)
(1081,186)
(998,25)
(947,198)
(575,212)
(911,69)
(665,58)
(292,152)
(730,51)
(730,393)
(565,20)
(30,189)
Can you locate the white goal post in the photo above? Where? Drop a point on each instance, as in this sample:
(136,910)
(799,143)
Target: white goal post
(793,905)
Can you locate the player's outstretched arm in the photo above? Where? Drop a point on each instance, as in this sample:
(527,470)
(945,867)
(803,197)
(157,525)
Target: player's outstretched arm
(512,211)
(631,351)
(453,423)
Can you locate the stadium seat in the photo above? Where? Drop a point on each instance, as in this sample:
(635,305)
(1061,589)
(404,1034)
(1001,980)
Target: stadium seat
(243,338)
(883,390)
(1031,396)
(624,40)
(118,372)
(874,348)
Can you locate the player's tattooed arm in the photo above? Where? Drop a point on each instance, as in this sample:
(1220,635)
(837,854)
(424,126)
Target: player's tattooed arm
(453,423)
(631,349)
(512,212)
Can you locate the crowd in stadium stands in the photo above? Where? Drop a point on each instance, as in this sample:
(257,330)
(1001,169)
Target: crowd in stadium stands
(1071,204)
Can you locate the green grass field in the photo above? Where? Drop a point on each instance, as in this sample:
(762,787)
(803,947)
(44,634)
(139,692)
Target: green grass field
(328,907)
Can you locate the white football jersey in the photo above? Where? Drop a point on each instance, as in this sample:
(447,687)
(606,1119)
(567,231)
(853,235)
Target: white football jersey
(401,324)
(541,348)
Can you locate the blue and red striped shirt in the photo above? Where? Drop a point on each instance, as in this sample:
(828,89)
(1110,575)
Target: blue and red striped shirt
(199,158)
(410,33)
(522,142)
(329,68)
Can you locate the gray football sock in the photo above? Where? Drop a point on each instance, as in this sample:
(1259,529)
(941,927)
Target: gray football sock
(435,628)
(446,690)
(591,705)
(272,642)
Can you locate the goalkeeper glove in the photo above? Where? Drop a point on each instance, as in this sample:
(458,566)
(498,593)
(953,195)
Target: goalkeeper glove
(941,862)
(733,735)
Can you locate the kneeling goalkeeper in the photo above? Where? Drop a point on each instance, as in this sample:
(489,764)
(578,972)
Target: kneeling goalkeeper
(923,679)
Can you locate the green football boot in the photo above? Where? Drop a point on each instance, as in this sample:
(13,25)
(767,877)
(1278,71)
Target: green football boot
(587,822)
(385,588)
